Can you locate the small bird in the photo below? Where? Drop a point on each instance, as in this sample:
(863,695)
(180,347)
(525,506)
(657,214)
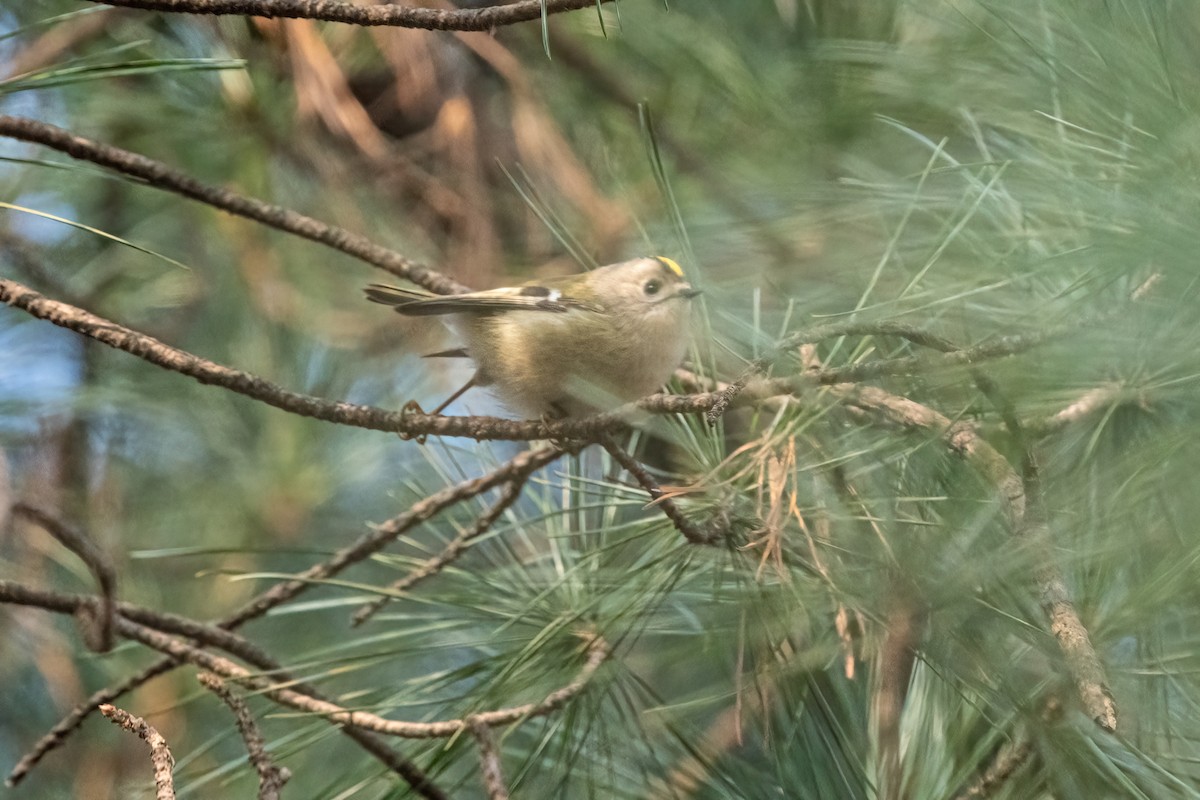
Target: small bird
(571,346)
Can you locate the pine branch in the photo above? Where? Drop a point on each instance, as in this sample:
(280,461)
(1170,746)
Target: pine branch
(481,19)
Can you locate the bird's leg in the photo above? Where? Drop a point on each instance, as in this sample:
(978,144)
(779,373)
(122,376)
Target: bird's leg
(454,396)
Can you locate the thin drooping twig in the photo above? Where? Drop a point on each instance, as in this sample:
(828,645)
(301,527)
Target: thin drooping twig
(270,777)
(689,529)
(296,694)
(161,176)
(98,620)
(1083,662)
(465,19)
(206,634)
(160,754)
(64,727)
(282,592)
(729,393)
(508,496)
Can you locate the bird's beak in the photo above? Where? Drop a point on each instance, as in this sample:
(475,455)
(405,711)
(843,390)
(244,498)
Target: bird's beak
(688,292)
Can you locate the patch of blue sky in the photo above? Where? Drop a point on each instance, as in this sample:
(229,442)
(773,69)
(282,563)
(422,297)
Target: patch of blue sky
(39,370)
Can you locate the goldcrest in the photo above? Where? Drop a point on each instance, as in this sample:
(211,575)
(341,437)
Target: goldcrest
(566,347)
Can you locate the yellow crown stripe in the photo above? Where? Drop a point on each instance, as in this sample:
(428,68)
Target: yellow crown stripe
(670,264)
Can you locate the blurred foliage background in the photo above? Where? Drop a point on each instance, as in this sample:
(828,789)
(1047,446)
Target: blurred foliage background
(972,167)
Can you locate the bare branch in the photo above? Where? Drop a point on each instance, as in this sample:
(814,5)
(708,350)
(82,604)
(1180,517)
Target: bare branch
(685,526)
(481,19)
(270,777)
(597,652)
(98,619)
(160,754)
(161,176)
(452,551)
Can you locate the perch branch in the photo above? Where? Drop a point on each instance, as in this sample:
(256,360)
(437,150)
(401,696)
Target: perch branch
(459,19)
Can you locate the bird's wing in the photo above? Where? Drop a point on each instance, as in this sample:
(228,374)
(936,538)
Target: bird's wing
(515,298)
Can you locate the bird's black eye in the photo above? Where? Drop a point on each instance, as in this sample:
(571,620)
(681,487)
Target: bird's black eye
(652,286)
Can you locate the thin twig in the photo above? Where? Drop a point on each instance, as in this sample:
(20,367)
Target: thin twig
(525,462)
(597,652)
(1083,662)
(689,529)
(727,395)
(508,496)
(489,760)
(270,777)
(1009,758)
(161,176)
(1090,402)
(160,754)
(481,19)
(68,724)
(97,620)
(819,333)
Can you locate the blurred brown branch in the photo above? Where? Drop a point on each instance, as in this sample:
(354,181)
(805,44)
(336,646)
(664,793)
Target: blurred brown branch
(97,619)
(481,19)
(161,176)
